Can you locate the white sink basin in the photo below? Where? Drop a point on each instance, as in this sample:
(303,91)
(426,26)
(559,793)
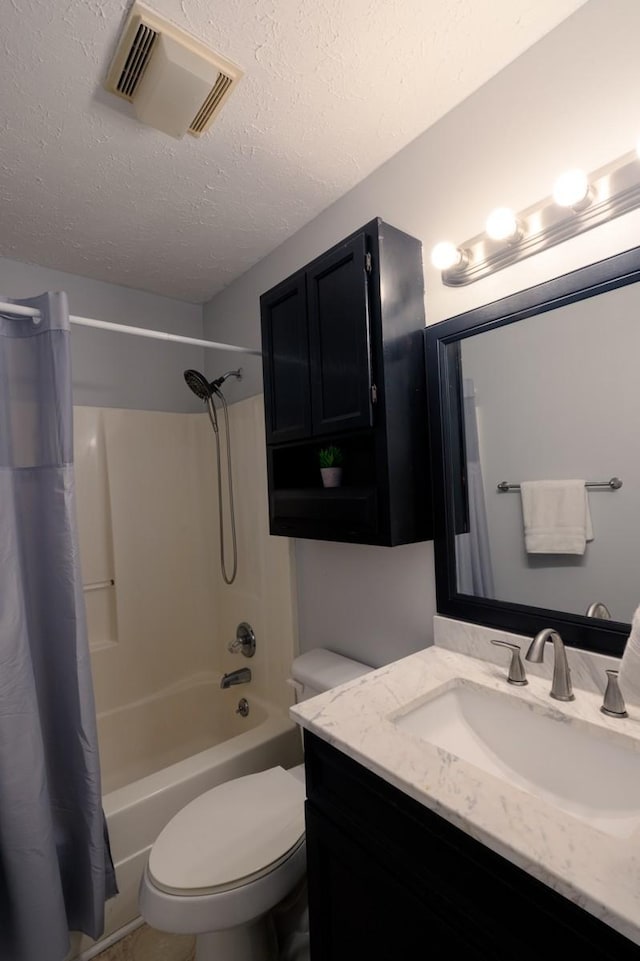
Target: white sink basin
(572,765)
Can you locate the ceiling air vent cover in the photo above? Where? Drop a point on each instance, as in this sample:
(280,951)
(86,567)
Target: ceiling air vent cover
(175,82)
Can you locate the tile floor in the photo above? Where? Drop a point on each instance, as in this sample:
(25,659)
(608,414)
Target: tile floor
(291,920)
(145,944)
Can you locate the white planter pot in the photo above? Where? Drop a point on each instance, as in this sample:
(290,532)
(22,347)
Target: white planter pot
(331,476)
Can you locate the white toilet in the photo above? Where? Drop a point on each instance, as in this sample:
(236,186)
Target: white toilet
(228,858)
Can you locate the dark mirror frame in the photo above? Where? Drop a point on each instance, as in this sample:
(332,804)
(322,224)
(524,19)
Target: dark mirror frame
(606,637)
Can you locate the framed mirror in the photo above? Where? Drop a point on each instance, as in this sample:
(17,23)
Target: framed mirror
(534,407)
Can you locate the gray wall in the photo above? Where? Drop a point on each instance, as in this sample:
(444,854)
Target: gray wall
(570,100)
(117,370)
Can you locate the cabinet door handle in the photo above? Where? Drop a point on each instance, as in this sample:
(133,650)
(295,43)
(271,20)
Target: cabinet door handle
(374,394)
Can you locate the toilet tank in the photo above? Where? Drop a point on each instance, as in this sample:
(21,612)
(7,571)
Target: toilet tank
(319,670)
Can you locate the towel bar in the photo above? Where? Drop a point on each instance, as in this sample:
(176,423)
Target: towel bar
(614,484)
(99,585)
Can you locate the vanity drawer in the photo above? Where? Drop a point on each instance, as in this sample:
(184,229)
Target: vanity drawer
(461,884)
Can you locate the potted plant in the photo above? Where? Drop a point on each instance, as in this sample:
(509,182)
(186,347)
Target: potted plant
(331,466)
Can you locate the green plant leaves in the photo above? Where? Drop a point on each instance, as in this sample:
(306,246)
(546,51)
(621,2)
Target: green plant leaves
(330,456)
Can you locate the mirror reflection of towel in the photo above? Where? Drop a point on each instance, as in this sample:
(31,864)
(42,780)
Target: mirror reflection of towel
(556,516)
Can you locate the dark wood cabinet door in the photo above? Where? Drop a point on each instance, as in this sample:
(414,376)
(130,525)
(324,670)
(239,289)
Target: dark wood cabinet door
(337,297)
(359,909)
(285,346)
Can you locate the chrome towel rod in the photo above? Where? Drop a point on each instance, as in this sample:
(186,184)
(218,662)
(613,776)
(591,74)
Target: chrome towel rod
(19,311)
(614,484)
(99,585)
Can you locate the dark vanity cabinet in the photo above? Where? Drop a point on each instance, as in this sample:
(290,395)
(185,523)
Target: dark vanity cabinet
(390,879)
(343,366)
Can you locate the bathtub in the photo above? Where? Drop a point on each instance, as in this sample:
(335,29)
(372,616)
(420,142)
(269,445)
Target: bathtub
(159,753)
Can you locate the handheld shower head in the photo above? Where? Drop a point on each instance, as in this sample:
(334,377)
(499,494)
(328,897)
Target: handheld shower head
(199,384)
(201,387)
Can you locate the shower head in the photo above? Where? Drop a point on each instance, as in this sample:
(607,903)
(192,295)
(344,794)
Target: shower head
(199,384)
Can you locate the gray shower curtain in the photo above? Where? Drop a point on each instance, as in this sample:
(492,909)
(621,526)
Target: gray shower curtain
(55,865)
(473,551)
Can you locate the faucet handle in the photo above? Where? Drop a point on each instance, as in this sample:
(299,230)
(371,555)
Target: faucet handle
(613,704)
(516,668)
(244,641)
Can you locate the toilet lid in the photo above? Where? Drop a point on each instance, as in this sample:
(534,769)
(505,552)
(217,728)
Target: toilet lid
(230,833)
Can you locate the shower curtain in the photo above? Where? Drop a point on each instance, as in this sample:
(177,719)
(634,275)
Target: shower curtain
(55,864)
(473,553)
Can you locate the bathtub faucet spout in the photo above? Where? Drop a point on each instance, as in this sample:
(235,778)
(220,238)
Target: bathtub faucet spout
(241,676)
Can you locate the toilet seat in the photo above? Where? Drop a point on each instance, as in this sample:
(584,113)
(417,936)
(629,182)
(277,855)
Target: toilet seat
(230,836)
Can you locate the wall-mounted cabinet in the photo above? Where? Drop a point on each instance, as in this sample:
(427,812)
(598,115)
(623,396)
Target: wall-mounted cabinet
(343,365)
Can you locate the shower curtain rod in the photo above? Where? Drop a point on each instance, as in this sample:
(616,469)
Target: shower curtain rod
(21,311)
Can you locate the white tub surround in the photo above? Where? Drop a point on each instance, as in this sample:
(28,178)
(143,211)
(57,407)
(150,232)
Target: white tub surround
(599,871)
(158,609)
(178,722)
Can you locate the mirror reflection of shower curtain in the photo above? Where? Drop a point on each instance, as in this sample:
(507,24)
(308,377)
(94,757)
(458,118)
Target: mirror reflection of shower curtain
(473,553)
(55,865)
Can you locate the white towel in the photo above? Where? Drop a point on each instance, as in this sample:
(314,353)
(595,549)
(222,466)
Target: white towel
(629,676)
(556,515)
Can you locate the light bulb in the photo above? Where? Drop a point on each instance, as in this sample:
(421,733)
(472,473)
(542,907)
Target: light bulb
(446,255)
(571,189)
(502,224)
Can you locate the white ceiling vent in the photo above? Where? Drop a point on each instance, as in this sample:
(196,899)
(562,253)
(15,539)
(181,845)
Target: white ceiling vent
(175,82)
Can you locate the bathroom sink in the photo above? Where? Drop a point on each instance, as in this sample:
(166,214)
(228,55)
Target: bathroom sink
(569,764)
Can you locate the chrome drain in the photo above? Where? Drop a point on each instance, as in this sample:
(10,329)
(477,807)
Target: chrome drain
(243,707)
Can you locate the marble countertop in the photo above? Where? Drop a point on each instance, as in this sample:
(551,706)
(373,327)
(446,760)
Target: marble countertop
(596,870)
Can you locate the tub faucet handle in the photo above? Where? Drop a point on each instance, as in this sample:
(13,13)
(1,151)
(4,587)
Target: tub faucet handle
(245,640)
(516,673)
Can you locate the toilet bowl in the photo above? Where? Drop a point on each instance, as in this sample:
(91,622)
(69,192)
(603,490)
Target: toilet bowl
(222,864)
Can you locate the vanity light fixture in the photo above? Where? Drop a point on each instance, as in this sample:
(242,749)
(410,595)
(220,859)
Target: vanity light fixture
(579,202)
(572,189)
(446,256)
(502,224)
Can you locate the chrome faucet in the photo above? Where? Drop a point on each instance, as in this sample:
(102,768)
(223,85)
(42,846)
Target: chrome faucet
(241,676)
(598,609)
(561,684)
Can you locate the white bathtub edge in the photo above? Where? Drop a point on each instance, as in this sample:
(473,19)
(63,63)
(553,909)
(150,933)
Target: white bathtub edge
(152,784)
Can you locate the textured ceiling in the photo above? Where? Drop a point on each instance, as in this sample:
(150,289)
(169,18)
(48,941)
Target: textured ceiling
(332,89)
